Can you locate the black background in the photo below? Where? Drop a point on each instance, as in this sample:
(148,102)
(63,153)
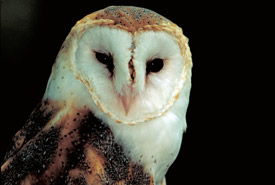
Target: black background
(32,32)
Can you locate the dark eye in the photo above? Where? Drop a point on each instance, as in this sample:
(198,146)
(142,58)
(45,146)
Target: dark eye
(105,59)
(154,65)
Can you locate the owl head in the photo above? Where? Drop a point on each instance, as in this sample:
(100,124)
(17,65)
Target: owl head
(131,63)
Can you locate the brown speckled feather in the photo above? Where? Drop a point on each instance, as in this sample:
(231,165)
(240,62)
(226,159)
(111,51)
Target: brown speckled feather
(108,119)
(78,149)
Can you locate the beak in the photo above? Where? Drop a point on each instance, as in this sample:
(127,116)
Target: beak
(127,98)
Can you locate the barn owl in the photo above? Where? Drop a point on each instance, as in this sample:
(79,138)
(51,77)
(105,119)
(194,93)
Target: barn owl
(114,107)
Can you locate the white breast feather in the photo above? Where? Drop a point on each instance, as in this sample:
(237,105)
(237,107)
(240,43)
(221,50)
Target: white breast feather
(155,143)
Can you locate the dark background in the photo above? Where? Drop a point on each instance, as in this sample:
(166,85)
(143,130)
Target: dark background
(32,32)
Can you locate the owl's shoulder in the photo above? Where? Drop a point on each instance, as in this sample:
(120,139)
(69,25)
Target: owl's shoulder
(67,145)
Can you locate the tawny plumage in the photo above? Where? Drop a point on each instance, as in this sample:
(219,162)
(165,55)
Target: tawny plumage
(114,107)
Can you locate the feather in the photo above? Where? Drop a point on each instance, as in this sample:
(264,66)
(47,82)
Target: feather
(93,127)
(78,148)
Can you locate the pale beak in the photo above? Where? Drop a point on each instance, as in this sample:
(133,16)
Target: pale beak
(127,98)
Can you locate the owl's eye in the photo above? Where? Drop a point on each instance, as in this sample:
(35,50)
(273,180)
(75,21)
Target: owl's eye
(105,59)
(154,65)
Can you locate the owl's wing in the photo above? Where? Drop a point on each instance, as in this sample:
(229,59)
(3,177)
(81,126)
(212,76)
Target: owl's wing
(36,122)
(31,146)
(60,144)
